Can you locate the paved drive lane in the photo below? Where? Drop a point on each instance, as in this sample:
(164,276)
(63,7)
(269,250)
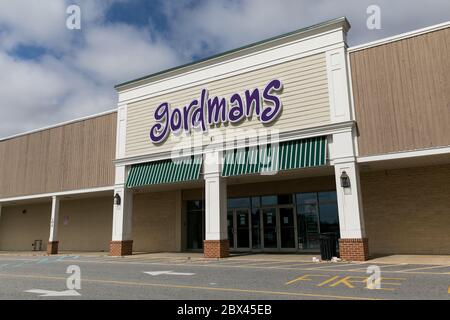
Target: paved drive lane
(31,277)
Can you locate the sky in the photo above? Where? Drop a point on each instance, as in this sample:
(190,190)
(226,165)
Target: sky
(50,74)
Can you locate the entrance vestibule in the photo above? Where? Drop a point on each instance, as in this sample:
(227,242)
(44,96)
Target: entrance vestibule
(270,223)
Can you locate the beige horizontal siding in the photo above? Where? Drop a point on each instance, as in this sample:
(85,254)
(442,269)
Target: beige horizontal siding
(74,156)
(305,102)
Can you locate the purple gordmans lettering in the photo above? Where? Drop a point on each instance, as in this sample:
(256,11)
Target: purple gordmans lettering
(208,111)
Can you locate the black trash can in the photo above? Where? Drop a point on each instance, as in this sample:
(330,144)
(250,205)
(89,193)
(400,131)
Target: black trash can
(328,245)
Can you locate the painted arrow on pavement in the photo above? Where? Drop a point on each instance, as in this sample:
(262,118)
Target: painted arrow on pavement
(50,293)
(158,273)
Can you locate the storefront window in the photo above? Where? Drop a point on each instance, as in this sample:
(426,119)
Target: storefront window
(316,213)
(269,201)
(307,221)
(329,218)
(195,205)
(256,228)
(328,196)
(195,224)
(328,212)
(238,203)
(285,199)
(271,218)
(256,202)
(230,228)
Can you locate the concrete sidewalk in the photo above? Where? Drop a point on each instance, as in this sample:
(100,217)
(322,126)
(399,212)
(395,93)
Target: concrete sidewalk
(414,259)
(287,257)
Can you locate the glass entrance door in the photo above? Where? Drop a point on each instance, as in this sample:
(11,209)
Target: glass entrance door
(285,222)
(238,222)
(195,225)
(270,239)
(278,230)
(308,221)
(287,228)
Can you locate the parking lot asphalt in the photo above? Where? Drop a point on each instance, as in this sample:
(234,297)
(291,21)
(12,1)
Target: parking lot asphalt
(55,277)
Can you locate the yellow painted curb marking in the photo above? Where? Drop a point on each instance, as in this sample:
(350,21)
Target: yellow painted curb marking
(327,281)
(305,278)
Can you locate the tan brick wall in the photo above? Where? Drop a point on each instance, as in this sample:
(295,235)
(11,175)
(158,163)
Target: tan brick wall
(407,211)
(85,224)
(20,225)
(157,222)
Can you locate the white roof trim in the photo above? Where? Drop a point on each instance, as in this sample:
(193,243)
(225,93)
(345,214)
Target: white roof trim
(55,194)
(400,37)
(405,154)
(60,124)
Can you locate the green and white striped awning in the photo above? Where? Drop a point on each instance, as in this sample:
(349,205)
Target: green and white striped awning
(165,171)
(288,155)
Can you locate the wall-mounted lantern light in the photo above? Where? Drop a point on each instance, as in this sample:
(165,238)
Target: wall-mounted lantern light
(117,199)
(345,180)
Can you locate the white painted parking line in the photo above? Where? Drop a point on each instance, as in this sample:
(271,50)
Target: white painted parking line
(261,263)
(381,266)
(299,264)
(333,265)
(425,268)
(158,273)
(51,293)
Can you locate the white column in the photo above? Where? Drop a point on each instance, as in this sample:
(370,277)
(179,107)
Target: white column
(54,220)
(122,213)
(339,85)
(343,158)
(215,198)
(353,244)
(351,218)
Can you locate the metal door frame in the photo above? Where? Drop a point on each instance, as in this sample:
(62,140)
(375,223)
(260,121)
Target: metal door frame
(234,230)
(294,214)
(278,228)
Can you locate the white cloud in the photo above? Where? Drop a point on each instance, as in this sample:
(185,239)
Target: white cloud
(36,93)
(32,22)
(225,24)
(79,80)
(119,52)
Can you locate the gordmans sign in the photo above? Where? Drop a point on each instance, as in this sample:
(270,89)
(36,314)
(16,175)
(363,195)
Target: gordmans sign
(207,111)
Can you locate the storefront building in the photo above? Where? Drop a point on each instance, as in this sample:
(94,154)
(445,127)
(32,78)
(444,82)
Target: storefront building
(260,149)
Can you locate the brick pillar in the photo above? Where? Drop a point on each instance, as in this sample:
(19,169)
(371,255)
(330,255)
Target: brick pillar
(354,249)
(216,248)
(52,247)
(121,248)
